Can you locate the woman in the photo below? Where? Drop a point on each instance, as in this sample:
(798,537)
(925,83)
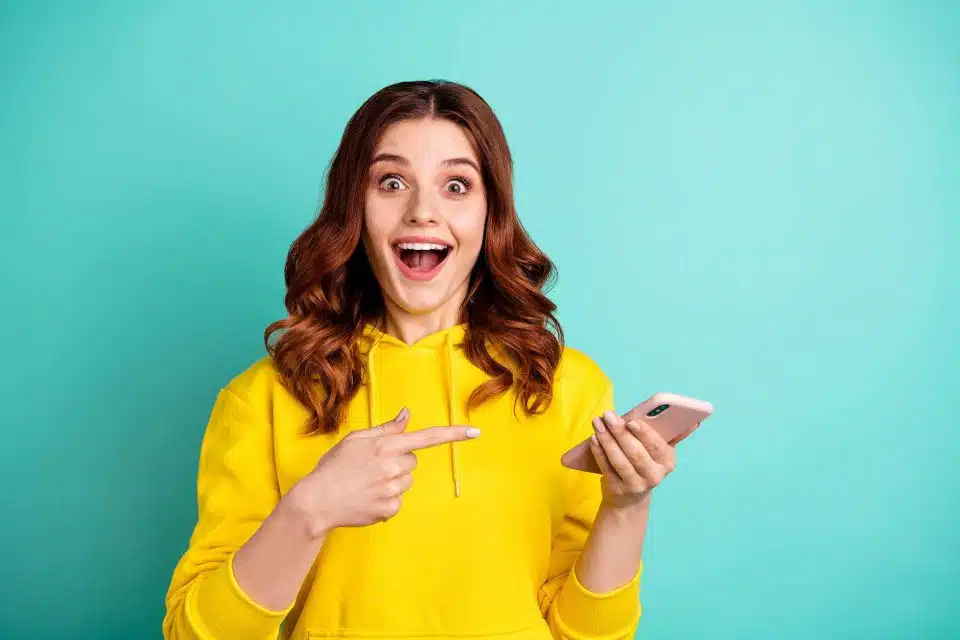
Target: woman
(417,322)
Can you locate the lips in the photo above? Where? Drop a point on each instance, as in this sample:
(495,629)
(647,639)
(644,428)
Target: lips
(421,259)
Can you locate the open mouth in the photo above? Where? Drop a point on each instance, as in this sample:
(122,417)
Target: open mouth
(421,260)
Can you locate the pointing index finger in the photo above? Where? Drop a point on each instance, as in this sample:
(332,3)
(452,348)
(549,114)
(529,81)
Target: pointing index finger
(429,437)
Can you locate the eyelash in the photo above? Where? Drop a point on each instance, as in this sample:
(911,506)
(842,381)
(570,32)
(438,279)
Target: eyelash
(466,183)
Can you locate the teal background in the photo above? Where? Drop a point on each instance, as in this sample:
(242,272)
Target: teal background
(752,202)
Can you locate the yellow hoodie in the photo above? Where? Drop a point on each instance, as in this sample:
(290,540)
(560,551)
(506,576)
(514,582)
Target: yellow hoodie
(495,561)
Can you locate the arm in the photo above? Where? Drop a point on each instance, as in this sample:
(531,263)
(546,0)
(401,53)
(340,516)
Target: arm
(593,585)
(611,556)
(273,564)
(249,551)
(634,459)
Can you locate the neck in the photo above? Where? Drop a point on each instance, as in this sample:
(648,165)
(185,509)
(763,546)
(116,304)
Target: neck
(412,327)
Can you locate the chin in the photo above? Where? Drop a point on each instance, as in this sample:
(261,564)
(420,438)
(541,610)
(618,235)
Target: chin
(419,302)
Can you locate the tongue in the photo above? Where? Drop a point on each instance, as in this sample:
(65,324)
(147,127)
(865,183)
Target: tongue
(423,260)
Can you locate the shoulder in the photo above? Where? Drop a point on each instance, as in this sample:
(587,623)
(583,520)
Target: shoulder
(256,390)
(257,379)
(583,390)
(580,371)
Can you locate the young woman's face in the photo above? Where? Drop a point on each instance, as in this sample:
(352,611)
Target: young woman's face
(424,215)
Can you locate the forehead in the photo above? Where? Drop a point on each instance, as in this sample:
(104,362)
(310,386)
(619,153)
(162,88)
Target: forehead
(426,142)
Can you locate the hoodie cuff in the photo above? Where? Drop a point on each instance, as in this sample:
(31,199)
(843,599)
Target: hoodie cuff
(592,615)
(220,608)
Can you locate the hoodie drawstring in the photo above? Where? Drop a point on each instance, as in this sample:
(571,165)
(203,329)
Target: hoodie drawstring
(372,408)
(371,386)
(448,344)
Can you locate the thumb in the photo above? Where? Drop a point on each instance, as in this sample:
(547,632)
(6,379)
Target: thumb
(395,426)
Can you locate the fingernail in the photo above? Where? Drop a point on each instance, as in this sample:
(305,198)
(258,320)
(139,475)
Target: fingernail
(473,432)
(610,415)
(633,426)
(403,414)
(594,440)
(598,425)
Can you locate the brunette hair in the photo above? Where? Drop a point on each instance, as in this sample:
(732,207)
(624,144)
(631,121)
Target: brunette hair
(332,292)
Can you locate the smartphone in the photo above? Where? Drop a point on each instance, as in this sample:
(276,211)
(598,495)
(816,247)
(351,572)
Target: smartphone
(672,415)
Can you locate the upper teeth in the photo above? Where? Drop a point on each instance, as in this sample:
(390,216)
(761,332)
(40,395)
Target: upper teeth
(421,246)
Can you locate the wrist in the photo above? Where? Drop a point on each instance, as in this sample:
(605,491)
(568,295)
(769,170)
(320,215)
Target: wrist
(302,513)
(629,511)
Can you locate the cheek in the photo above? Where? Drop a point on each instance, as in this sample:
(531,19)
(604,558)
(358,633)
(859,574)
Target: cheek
(470,230)
(372,240)
(375,229)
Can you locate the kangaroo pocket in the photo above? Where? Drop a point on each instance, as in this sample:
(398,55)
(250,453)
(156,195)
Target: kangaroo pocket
(536,631)
(404,578)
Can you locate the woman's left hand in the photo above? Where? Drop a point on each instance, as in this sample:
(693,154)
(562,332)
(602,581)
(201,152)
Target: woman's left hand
(634,459)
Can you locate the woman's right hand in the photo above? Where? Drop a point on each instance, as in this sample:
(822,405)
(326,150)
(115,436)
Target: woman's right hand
(361,479)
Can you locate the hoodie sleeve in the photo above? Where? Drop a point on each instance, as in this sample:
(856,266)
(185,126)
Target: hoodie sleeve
(572,611)
(236,491)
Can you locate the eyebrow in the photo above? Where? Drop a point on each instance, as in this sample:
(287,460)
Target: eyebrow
(449,162)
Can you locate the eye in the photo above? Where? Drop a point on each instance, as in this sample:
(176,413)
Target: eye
(392,182)
(458,186)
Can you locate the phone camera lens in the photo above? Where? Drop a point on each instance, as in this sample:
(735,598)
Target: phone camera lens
(655,412)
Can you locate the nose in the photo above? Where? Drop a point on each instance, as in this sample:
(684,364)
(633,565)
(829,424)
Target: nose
(422,211)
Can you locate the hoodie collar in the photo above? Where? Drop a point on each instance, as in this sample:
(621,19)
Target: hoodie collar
(454,336)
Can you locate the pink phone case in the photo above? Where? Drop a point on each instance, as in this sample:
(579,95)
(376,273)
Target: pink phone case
(672,415)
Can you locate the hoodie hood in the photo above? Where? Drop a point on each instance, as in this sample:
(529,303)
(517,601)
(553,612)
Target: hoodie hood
(442,344)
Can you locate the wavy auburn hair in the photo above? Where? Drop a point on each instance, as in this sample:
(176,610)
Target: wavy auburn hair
(332,292)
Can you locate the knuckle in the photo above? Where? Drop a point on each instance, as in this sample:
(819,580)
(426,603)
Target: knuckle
(392,468)
(386,471)
(394,488)
(392,506)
